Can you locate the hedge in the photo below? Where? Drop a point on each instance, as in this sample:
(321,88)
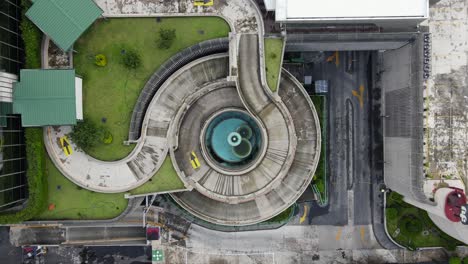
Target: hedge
(32,39)
(37,183)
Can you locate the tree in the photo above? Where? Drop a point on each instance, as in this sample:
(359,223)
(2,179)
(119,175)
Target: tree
(86,134)
(166,38)
(131,59)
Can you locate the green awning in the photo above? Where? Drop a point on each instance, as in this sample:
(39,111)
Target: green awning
(63,20)
(47,97)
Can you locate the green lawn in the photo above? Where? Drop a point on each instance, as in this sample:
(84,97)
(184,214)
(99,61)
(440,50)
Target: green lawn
(321,172)
(74,202)
(430,236)
(110,92)
(273,50)
(165,179)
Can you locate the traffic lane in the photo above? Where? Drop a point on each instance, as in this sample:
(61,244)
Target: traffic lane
(104,233)
(8,252)
(340,91)
(362,160)
(23,236)
(354,91)
(99,254)
(338,204)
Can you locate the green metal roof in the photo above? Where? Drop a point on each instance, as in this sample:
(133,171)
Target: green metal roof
(63,20)
(45,97)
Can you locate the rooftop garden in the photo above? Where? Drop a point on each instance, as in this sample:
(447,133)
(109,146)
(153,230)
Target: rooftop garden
(273,54)
(412,228)
(117,56)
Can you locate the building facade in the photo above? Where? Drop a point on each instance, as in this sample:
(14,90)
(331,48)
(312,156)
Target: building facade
(13,187)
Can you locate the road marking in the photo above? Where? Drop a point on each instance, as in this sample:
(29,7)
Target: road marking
(203,3)
(335,57)
(157,255)
(362,231)
(67,149)
(194,160)
(359,95)
(338,234)
(304,215)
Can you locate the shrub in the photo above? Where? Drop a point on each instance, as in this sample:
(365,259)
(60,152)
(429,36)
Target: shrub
(36,177)
(131,59)
(86,135)
(166,38)
(100,60)
(107,137)
(455,260)
(410,224)
(31,36)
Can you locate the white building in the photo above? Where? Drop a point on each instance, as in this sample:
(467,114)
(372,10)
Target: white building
(381,12)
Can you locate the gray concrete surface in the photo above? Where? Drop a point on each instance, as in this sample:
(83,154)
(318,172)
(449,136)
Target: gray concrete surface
(8,252)
(447,93)
(211,199)
(402,92)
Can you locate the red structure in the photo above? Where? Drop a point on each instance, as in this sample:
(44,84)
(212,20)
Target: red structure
(152,233)
(453,203)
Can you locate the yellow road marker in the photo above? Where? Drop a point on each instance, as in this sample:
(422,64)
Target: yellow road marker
(362,231)
(67,148)
(338,234)
(304,215)
(194,160)
(203,3)
(335,57)
(359,95)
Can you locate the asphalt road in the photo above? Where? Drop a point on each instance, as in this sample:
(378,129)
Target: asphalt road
(105,233)
(22,236)
(96,254)
(348,139)
(8,252)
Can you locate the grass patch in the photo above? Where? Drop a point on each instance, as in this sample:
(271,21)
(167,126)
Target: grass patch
(273,52)
(166,179)
(320,103)
(283,216)
(110,92)
(409,220)
(75,203)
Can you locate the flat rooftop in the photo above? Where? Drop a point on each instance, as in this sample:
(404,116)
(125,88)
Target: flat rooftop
(349,9)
